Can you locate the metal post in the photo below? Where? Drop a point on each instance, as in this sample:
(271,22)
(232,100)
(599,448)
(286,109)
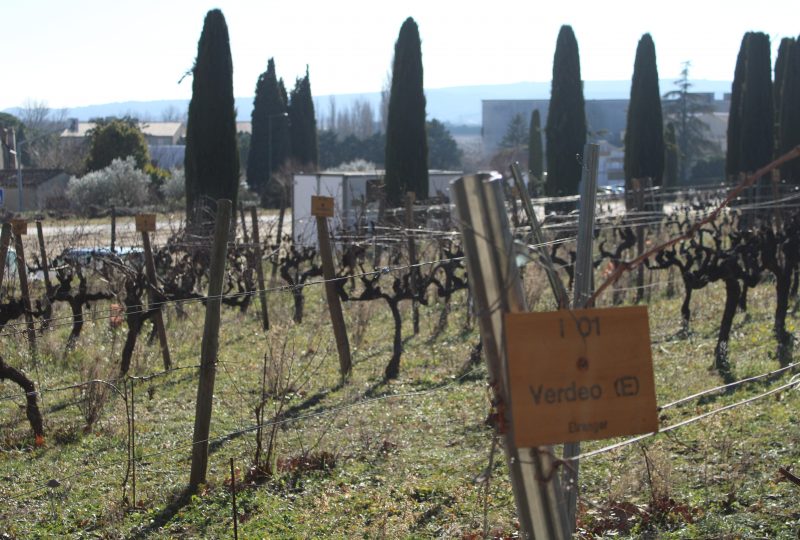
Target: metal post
(18,159)
(497,289)
(638,192)
(262,292)
(210,346)
(133,443)
(557,286)
(233,497)
(412,259)
(5,239)
(113,228)
(581,293)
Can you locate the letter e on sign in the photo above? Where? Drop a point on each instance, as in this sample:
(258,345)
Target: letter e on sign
(580,375)
(321,206)
(146,223)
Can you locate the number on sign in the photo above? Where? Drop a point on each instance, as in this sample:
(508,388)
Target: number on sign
(585,326)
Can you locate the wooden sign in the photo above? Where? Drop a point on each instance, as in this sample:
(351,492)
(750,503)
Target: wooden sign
(580,375)
(321,206)
(19,227)
(146,223)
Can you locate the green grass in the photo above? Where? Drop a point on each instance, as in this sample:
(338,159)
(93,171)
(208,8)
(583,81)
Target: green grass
(402,457)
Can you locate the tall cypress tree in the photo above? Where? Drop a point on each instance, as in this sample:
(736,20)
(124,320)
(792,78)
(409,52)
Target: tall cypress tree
(303,124)
(789,124)
(257,173)
(566,118)
(670,156)
(644,134)
(732,156)
(406,140)
(535,155)
(757,113)
(212,157)
(781,64)
(269,144)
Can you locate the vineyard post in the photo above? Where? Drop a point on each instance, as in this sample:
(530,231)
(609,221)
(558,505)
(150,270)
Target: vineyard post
(638,187)
(244,223)
(5,239)
(557,286)
(150,268)
(581,293)
(412,258)
(133,443)
(113,228)
(43,255)
(19,228)
(497,289)
(233,498)
(210,346)
(262,291)
(322,209)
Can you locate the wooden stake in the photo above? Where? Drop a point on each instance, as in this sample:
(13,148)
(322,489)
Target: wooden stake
(158,317)
(324,209)
(43,255)
(22,271)
(244,223)
(210,346)
(262,292)
(412,258)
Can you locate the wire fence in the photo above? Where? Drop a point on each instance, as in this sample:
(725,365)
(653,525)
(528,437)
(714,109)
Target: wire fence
(28,489)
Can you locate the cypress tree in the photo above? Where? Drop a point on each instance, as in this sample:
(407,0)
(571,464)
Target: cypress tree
(406,140)
(732,156)
(670,156)
(566,118)
(644,133)
(269,144)
(303,124)
(535,155)
(757,113)
(257,173)
(212,157)
(789,125)
(777,88)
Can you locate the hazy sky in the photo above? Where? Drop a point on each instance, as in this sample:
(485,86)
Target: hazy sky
(81,52)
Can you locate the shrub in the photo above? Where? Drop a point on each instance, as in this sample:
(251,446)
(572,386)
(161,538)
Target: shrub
(173,189)
(119,184)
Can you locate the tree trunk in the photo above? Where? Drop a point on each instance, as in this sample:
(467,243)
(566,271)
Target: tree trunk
(686,312)
(32,407)
(393,368)
(743,299)
(134,327)
(732,294)
(784,338)
(77,323)
(297,293)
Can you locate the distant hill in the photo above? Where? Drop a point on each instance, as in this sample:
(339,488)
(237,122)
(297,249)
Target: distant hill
(460,105)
